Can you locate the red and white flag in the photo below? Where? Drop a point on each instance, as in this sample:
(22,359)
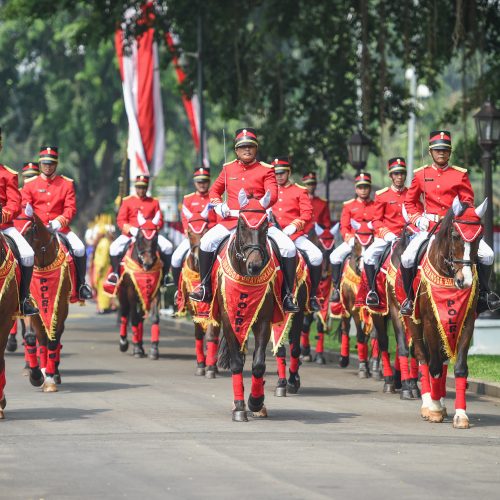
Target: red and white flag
(139,70)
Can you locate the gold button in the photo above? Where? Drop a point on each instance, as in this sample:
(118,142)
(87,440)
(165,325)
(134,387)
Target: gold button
(281,209)
(280,199)
(437,185)
(242,178)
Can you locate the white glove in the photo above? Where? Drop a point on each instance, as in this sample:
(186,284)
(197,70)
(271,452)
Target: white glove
(290,229)
(422,223)
(390,237)
(269,212)
(133,230)
(54,225)
(28,210)
(222,210)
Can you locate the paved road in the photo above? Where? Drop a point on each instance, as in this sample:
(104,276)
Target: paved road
(127,428)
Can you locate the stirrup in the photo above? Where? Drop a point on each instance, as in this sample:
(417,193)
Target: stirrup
(84,292)
(372,298)
(289,304)
(112,279)
(492,301)
(200,294)
(314,303)
(335,295)
(27,309)
(407,307)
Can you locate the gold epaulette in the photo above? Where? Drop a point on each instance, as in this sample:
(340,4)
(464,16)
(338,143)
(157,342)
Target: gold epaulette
(189,195)
(299,186)
(228,163)
(11,170)
(67,178)
(418,169)
(348,201)
(460,169)
(380,191)
(30,179)
(267,165)
(127,197)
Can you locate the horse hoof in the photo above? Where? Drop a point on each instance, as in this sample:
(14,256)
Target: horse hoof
(415,391)
(154,354)
(210,372)
(461,422)
(25,372)
(293,385)
(363,370)
(307,358)
(123,344)
(320,359)
(36,377)
(435,417)
(444,412)
(57,378)
(406,395)
(377,376)
(424,412)
(389,388)
(262,413)
(11,344)
(49,386)
(2,416)
(138,351)
(200,371)
(375,366)
(397,380)
(280,391)
(240,416)
(3,403)
(344,361)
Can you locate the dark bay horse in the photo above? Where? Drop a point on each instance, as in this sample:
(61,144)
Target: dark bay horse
(249,259)
(445,309)
(51,288)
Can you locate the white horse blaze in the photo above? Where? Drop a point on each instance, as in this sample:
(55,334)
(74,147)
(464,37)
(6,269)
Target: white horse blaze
(466,270)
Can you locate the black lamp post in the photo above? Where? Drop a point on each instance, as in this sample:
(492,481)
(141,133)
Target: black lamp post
(358,147)
(488,132)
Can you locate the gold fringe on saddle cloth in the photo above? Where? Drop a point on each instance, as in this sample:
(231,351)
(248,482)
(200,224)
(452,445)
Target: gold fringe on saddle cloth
(191,279)
(353,281)
(7,274)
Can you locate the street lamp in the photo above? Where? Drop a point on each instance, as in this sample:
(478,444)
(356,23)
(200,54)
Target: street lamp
(359,147)
(488,132)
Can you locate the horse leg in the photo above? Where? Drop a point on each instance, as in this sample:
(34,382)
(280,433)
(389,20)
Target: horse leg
(435,371)
(362,339)
(212,337)
(137,333)
(320,357)
(236,364)
(154,352)
(200,352)
(345,324)
(460,419)
(57,376)
(280,390)
(293,384)
(124,315)
(49,384)
(383,341)
(3,382)
(375,354)
(402,353)
(262,333)
(30,354)
(415,391)
(304,339)
(11,339)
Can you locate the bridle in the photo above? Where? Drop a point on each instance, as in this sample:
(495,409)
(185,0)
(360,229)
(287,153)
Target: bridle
(243,251)
(33,229)
(140,252)
(451,260)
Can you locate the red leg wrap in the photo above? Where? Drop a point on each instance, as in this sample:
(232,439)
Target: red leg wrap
(200,354)
(135,334)
(375,348)
(294,364)
(362,351)
(51,362)
(155,333)
(344,346)
(460,386)
(321,342)
(304,339)
(403,363)
(123,326)
(281,362)
(424,379)
(211,353)
(59,348)
(13,330)
(413,368)
(257,387)
(397,366)
(30,356)
(42,355)
(386,364)
(444,374)
(238,389)
(3,381)
(435,388)
(140,331)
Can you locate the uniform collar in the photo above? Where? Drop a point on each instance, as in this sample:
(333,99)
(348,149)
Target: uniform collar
(396,190)
(247,165)
(288,184)
(435,167)
(47,179)
(364,202)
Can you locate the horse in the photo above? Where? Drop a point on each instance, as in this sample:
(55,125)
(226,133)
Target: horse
(324,239)
(138,288)
(247,284)
(189,279)
(349,286)
(51,288)
(443,321)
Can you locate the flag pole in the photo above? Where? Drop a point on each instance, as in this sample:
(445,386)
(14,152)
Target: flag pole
(200,88)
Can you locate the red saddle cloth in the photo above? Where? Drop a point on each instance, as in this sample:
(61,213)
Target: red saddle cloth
(9,270)
(243,296)
(188,281)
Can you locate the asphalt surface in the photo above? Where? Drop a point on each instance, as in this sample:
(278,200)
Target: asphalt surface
(134,428)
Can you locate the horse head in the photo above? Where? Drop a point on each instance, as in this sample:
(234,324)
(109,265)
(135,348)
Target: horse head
(457,243)
(45,243)
(325,240)
(363,234)
(146,241)
(250,242)
(197,227)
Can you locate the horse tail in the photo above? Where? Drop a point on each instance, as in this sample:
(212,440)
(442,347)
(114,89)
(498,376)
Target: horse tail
(223,358)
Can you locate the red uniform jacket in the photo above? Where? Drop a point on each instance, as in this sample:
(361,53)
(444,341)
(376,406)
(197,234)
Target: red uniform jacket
(51,199)
(388,215)
(10,197)
(255,179)
(127,215)
(433,190)
(293,207)
(196,203)
(357,210)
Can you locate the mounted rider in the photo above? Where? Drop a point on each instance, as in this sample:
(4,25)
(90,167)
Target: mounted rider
(128,223)
(360,208)
(53,199)
(256,178)
(388,221)
(10,202)
(321,211)
(293,212)
(197,204)
(438,184)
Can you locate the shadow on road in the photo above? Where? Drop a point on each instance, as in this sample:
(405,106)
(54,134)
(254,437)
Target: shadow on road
(483,420)
(90,371)
(178,356)
(310,417)
(55,414)
(97,386)
(332,391)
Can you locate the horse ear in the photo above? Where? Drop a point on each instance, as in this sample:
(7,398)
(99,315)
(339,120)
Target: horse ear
(457,206)
(28,210)
(156,218)
(335,228)
(187,213)
(318,229)
(355,224)
(266,199)
(204,212)
(405,214)
(481,209)
(140,219)
(370,225)
(242,198)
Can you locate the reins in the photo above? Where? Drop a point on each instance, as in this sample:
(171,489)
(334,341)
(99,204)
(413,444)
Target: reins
(241,249)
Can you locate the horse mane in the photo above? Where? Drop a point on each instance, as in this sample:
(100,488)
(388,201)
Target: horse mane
(447,222)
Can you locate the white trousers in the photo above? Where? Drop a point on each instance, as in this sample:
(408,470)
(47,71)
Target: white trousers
(341,252)
(313,253)
(76,244)
(116,248)
(25,250)
(179,253)
(212,238)
(485,254)
(374,251)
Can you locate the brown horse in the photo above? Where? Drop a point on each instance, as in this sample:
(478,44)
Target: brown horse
(9,305)
(142,269)
(206,364)
(445,309)
(248,257)
(51,287)
(349,287)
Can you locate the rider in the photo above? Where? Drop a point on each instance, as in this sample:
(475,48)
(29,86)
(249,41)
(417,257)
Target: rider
(321,212)
(293,211)
(53,199)
(10,203)
(256,178)
(388,221)
(438,184)
(30,169)
(359,209)
(127,222)
(196,203)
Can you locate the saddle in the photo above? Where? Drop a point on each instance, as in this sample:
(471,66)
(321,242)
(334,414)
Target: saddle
(12,245)
(64,240)
(420,254)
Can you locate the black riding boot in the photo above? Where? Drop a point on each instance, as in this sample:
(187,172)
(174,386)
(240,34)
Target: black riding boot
(203,292)
(372,298)
(289,265)
(408,276)
(27,309)
(335,279)
(84,291)
(488,300)
(315,274)
(166,260)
